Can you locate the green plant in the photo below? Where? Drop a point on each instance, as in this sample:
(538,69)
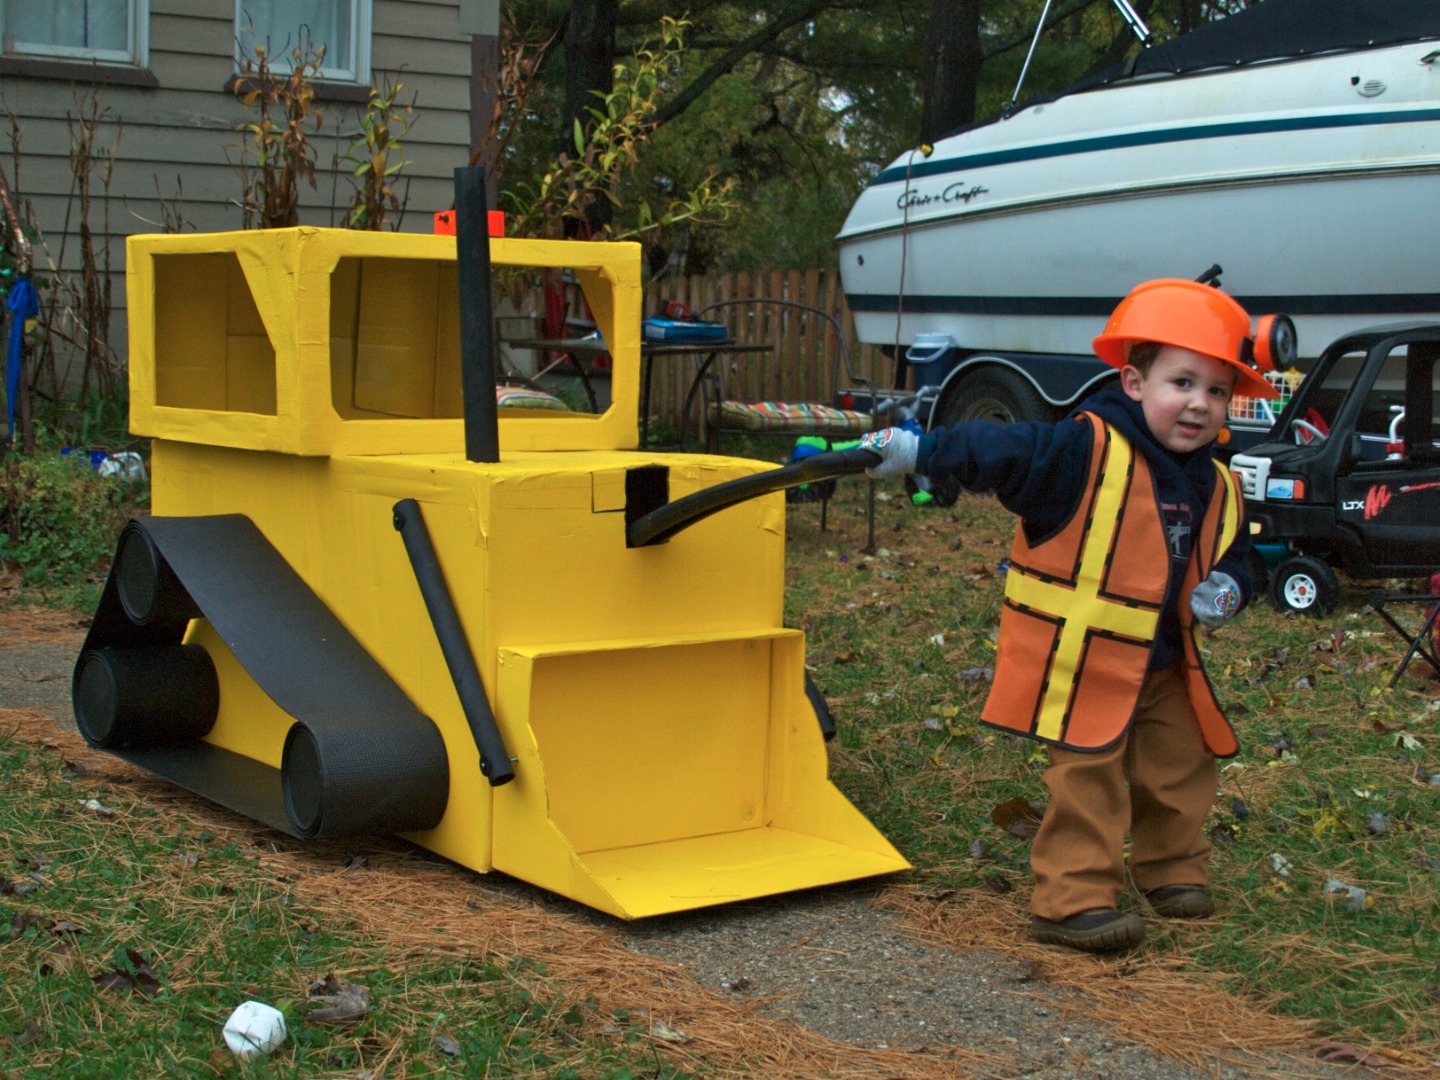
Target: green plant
(377,158)
(277,154)
(606,151)
(59,520)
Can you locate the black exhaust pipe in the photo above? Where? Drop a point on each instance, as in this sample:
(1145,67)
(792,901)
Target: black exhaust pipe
(477,334)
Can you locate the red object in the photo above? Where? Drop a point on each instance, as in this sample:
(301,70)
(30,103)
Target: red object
(1435,632)
(445,222)
(675,309)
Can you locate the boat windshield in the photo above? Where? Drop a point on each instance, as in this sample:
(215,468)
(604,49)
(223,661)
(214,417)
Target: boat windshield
(1274,30)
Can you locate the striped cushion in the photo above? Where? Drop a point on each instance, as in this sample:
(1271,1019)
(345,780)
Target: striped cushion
(522,397)
(789,416)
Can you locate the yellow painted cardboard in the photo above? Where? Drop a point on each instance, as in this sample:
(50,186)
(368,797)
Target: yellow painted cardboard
(362,329)
(665,754)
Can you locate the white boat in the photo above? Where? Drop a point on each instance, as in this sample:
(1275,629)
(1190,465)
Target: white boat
(1296,144)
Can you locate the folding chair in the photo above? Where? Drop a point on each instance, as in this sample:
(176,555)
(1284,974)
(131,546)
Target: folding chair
(1422,641)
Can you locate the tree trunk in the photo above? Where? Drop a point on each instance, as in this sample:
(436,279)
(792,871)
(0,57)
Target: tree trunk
(952,67)
(589,66)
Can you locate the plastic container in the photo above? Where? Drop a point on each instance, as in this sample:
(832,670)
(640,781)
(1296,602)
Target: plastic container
(674,331)
(932,357)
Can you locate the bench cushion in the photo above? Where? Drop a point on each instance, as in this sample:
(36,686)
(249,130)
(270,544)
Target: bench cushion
(790,416)
(523,397)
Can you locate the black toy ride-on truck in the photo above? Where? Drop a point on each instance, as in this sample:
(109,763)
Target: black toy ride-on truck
(1349,476)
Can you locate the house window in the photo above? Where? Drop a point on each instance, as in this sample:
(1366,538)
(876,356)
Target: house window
(342,26)
(106,31)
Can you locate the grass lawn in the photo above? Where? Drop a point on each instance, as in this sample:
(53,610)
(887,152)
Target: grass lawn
(128,930)
(1326,833)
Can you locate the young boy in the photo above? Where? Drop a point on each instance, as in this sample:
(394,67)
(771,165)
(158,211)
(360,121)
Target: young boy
(1129,533)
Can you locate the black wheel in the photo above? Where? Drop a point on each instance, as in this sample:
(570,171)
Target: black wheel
(145,696)
(1305,584)
(991,394)
(149,591)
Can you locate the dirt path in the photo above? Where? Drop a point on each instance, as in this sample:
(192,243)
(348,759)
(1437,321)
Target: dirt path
(865,980)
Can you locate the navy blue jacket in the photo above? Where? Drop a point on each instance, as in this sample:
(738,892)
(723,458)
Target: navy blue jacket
(1038,471)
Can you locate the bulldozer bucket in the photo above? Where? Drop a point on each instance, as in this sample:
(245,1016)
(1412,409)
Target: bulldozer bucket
(707,787)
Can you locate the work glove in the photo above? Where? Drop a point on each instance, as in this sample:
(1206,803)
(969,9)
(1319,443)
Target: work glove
(1215,599)
(897,449)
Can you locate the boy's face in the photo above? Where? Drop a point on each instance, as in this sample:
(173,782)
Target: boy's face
(1184,397)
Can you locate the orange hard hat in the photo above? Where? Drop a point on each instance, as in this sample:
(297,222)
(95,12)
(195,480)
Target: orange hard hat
(1188,315)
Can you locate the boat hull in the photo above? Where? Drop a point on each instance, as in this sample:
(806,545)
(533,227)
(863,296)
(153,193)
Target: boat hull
(1020,236)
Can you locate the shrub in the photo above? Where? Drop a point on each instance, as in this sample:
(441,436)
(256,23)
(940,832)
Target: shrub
(59,520)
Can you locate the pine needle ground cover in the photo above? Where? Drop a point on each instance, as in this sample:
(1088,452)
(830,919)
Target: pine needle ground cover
(130,929)
(1326,833)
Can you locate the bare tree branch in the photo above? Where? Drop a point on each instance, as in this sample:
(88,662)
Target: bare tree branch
(801,12)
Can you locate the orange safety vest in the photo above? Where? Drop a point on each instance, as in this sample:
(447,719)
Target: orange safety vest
(1082,608)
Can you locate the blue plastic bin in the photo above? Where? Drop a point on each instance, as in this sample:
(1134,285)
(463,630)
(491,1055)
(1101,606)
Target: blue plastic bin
(932,357)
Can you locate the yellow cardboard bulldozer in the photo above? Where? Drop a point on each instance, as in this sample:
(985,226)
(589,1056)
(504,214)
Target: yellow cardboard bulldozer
(540,650)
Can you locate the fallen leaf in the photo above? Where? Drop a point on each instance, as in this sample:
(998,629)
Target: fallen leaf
(1224,833)
(447,1046)
(1336,1051)
(344,1003)
(997,884)
(95,806)
(29,1034)
(1378,823)
(661,1030)
(979,849)
(1356,898)
(135,976)
(1018,817)
(1279,865)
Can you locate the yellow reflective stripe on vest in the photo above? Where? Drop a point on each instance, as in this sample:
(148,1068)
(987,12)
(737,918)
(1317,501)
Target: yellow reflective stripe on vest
(1231,517)
(1080,608)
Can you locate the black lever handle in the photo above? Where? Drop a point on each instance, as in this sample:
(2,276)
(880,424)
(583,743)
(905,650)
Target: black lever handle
(661,524)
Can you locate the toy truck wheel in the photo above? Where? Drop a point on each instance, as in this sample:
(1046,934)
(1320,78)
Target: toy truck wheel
(146,696)
(1306,585)
(149,591)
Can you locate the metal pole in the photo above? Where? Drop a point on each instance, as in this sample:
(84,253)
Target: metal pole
(1039,29)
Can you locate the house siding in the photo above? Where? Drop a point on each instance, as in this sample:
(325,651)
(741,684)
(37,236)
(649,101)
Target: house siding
(179,140)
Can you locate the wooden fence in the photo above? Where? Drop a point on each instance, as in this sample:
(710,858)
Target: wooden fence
(801,365)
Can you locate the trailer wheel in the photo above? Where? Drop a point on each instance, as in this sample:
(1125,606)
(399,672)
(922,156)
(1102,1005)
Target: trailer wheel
(1306,585)
(991,394)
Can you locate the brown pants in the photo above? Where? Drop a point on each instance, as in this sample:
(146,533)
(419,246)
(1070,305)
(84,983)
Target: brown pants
(1158,782)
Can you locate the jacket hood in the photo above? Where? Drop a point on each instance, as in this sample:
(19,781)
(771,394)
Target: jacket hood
(1122,412)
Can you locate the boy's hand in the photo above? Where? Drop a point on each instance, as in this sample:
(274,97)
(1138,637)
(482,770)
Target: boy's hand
(1215,599)
(897,449)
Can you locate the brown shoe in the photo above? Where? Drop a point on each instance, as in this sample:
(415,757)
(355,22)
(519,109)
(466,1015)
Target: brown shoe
(1180,901)
(1096,930)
